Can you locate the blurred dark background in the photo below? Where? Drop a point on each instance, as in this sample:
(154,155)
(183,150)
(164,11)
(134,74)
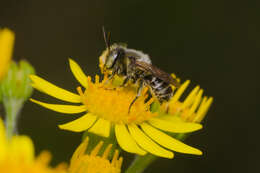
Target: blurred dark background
(213,43)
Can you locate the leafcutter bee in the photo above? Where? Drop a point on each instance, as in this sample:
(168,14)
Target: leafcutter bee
(136,66)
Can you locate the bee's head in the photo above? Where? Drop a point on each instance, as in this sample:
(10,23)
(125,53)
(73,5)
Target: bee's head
(109,57)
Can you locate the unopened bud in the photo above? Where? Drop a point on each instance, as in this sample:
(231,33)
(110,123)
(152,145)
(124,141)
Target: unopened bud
(16,84)
(15,89)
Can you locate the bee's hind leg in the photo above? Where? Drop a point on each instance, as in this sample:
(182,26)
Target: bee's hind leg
(140,88)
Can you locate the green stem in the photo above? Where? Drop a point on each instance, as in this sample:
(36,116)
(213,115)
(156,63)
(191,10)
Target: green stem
(12,109)
(141,163)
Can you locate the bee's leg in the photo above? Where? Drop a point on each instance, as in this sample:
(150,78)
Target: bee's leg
(125,82)
(140,88)
(167,107)
(110,77)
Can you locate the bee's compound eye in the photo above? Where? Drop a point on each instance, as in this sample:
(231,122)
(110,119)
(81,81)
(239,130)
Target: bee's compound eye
(110,60)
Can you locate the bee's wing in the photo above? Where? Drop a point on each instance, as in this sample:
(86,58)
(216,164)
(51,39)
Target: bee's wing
(157,72)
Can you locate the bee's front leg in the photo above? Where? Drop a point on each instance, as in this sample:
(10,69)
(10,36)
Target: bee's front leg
(110,77)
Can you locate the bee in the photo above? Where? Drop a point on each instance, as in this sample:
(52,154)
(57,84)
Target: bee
(136,66)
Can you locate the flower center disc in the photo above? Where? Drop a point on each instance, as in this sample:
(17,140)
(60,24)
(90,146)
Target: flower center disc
(112,104)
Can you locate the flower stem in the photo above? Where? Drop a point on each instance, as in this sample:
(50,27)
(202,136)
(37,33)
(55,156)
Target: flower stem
(141,163)
(12,109)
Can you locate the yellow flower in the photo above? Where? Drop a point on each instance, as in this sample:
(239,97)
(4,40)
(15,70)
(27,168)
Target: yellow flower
(6,50)
(17,156)
(193,108)
(92,163)
(139,131)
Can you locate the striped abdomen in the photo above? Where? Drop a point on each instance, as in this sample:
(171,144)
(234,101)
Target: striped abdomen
(161,89)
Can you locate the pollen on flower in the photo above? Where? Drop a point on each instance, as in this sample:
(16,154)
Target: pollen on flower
(113,104)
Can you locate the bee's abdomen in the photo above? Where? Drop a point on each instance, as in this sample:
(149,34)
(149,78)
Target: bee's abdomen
(161,89)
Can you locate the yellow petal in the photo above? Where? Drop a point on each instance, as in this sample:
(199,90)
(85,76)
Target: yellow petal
(107,151)
(194,105)
(2,140)
(54,91)
(125,140)
(147,144)
(189,99)
(172,118)
(80,124)
(69,109)
(179,92)
(175,127)
(21,147)
(101,128)
(6,50)
(203,110)
(168,141)
(80,151)
(2,130)
(44,158)
(78,73)
(96,149)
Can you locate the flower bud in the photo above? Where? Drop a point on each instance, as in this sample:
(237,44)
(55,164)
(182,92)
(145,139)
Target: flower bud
(15,89)
(16,84)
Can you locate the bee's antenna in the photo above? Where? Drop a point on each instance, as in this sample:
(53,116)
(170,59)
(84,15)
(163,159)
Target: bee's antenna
(107,37)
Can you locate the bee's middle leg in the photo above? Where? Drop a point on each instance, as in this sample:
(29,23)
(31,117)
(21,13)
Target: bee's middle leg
(140,88)
(125,81)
